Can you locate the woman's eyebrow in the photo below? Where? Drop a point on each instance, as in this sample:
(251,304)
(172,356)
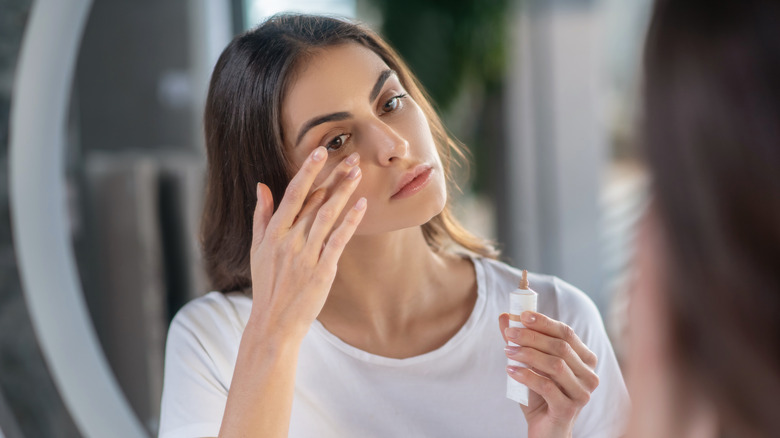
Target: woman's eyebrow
(379,83)
(334,117)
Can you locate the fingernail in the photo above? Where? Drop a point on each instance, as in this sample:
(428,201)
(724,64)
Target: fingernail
(528,318)
(353,159)
(512,332)
(361,204)
(512,369)
(353,173)
(511,349)
(318,154)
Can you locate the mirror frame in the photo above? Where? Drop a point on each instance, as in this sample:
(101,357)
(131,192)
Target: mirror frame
(41,226)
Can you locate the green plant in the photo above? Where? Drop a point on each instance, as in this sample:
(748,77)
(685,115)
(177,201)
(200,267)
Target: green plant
(448,42)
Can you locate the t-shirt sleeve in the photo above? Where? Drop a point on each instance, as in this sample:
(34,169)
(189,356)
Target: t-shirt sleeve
(606,414)
(194,390)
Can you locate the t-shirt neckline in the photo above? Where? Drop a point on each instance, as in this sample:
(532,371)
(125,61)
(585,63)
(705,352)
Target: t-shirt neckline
(463,333)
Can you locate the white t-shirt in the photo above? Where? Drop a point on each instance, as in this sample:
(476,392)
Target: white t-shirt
(457,390)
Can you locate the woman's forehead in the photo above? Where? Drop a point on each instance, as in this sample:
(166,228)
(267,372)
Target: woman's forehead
(331,80)
(338,65)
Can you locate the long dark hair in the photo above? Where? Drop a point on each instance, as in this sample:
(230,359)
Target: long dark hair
(712,140)
(244,137)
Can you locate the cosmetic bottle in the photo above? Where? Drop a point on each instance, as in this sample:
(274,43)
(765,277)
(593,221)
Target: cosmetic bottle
(520,300)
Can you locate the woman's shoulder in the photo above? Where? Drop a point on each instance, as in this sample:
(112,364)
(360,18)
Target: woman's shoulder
(200,353)
(214,312)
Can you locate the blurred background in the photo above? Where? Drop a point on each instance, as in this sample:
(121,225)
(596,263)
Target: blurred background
(542,92)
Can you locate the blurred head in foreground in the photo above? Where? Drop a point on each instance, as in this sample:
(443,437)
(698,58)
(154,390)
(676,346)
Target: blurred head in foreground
(705,313)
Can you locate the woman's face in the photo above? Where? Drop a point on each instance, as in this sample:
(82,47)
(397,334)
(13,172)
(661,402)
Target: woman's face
(648,362)
(348,100)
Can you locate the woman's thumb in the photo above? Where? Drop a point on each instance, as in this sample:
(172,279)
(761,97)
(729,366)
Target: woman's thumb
(264,209)
(503,323)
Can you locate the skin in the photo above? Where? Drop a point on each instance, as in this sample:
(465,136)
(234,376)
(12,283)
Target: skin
(659,408)
(364,271)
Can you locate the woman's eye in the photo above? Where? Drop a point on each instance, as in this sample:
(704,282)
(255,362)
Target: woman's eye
(393,103)
(337,142)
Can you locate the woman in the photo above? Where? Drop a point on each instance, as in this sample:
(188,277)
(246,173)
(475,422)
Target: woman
(344,307)
(705,315)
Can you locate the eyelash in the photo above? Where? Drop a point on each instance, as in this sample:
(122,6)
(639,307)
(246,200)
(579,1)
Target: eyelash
(396,98)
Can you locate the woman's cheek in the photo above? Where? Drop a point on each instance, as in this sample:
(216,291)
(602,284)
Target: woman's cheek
(648,362)
(441,196)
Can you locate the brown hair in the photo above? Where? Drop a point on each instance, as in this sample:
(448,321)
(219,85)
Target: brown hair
(244,138)
(712,141)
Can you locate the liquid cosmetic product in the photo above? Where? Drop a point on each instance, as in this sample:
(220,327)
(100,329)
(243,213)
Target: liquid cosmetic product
(520,300)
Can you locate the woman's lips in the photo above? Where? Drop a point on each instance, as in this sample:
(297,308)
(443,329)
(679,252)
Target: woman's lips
(413,181)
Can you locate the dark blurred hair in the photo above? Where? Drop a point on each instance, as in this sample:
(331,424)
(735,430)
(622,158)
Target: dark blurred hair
(244,138)
(712,140)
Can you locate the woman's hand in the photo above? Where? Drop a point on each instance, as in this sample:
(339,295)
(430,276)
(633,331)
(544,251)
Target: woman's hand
(293,262)
(560,372)
(295,250)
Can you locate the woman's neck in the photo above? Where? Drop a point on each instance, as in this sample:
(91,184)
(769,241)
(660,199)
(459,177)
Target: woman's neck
(392,285)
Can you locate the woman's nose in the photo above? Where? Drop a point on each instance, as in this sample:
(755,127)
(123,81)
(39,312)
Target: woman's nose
(388,143)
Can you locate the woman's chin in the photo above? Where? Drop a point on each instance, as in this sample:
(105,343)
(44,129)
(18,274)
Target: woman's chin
(387,223)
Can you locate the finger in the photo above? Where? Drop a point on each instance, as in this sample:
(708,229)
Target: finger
(339,172)
(553,368)
(312,204)
(330,212)
(342,234)
(545,387)
(557,329)
(264,209)
(503,323)
(324,190)
(547,344)
(298,189)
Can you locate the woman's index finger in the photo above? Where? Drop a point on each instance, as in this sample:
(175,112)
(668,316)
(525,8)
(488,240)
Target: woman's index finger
(298,188)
